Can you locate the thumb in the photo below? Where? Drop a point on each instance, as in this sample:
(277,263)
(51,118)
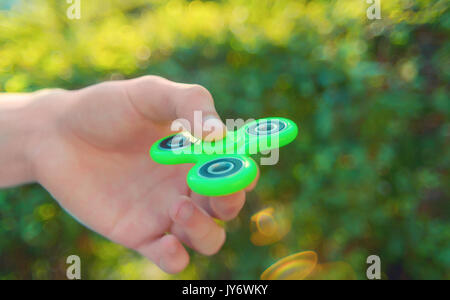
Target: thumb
(194,105)
(189,105)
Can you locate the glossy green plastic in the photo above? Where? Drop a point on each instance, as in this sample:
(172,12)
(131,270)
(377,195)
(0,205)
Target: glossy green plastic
(224,167)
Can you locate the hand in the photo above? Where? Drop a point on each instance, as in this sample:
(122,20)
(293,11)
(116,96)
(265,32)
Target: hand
(91,154)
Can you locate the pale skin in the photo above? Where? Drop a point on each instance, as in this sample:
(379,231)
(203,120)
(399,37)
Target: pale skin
(89,149)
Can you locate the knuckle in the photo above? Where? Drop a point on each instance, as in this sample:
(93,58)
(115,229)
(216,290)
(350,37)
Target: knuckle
(151,79)
(197,93)
(53,91)
(57,90)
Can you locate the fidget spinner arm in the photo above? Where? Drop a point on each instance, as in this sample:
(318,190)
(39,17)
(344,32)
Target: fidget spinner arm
(224,167)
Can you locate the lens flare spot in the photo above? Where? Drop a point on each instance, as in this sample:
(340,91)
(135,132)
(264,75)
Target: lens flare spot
(266,224)
(293,267)
(269,226)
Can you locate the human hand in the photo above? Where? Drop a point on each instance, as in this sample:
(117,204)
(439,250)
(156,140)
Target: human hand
(91,153)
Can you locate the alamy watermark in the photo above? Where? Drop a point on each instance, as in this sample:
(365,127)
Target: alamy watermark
(374,10)
(261,137)
(74,270)
(74,9)
(374,270)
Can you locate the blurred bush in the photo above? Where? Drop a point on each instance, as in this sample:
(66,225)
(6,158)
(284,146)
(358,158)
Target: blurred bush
(369,173)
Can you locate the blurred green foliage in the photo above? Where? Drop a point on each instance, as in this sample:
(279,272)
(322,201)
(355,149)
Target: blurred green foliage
(369,173)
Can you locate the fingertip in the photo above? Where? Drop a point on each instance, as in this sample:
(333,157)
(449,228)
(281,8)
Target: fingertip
(196,104)
(174,258)
(167,253)
(215,246)
(198,228)
(228,207)
(170,244)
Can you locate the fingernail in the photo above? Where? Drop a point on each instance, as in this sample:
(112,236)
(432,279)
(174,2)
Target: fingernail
(185,211)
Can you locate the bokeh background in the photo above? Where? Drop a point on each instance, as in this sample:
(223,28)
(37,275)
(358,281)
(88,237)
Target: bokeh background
(368,174)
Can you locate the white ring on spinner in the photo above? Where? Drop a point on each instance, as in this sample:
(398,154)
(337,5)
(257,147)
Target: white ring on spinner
(220,167)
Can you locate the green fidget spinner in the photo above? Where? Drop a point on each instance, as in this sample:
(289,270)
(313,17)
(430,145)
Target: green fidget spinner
(224,167)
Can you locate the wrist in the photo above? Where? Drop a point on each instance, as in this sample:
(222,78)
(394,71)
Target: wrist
(25,121)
